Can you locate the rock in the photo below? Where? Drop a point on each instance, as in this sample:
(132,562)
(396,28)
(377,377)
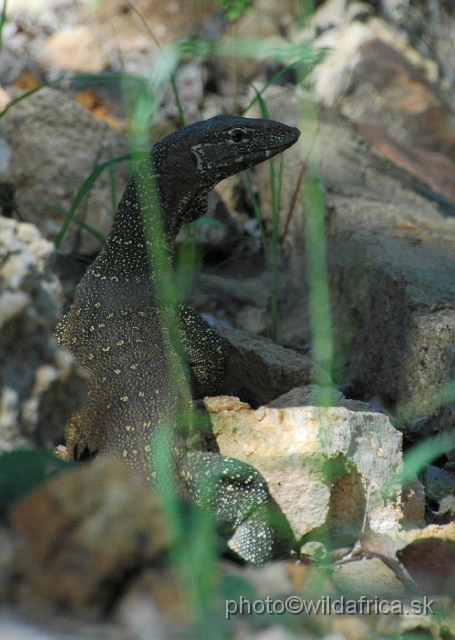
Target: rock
(76,49)
(446,511)
(252,319)
(391,251)
(413,504)
(15,625)
(82,535)
(392,275)
(4,98)
(190,87)
(140,614)
(431,26)
(154,601)
(368,577)
(246,291)
(324,466)
(395,298)
(263,367)
(99,107)
(333,76)
(314,550)
(402,113)
(273,579)
(8,547)
(13,65)
(40,384)
(438,483)
(16,629)
(429,557)
(55,145)
(317,396)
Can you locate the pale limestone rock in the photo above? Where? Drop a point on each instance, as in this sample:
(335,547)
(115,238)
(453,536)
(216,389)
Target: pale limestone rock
(317,396)
(77,49)
(40,385)
(323,465)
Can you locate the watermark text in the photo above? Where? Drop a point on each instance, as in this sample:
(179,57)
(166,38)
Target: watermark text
(327,606)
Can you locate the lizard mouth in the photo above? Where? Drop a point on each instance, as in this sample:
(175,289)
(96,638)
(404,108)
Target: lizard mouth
(276,145)
(291,138)
(280,139)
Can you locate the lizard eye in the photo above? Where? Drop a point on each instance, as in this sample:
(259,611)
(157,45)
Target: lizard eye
(237,135)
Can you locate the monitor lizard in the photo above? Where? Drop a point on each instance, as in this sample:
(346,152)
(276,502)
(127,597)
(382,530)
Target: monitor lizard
(118,329)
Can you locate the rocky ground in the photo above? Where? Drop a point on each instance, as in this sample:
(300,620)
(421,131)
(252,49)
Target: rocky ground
(85,551)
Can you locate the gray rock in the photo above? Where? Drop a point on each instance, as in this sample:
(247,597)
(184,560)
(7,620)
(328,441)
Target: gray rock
(264,367)
(253,291)
(55,145)
(438,483)
(392,275)
(40,384)
(252,319)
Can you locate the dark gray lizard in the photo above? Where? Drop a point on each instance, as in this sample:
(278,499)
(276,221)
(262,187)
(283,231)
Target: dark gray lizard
(118,330)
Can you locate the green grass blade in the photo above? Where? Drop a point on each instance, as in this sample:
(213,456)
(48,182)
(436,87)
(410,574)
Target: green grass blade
(274,255)
(84,225)
(181,116)
(421,455)
(251,48)
(2,21)
(318,280)
(83,190)
(275,310)
(94,232)
(270,82)
(24,96)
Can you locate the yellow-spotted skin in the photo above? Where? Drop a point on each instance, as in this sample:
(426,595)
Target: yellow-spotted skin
(119,329)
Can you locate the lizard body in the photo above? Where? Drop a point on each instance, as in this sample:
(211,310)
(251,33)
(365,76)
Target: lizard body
(118,327)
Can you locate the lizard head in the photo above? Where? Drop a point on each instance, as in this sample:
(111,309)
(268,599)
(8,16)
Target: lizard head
(197,157)
(230,144)
(175,179)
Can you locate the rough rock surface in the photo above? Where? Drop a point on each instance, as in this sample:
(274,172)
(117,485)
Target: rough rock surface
(82,535)
(55,145)
(368,577)
(317,396)
(429,557)
(392,275)
(265,368)
(391,250)
(430,25)
(323,465)
(40,385)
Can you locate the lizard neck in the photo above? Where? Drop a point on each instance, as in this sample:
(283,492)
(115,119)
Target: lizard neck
(147,203)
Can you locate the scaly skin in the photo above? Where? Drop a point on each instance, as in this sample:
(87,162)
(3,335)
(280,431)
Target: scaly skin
(118,329)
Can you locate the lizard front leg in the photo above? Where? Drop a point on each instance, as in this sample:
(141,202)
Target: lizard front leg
(206,353)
